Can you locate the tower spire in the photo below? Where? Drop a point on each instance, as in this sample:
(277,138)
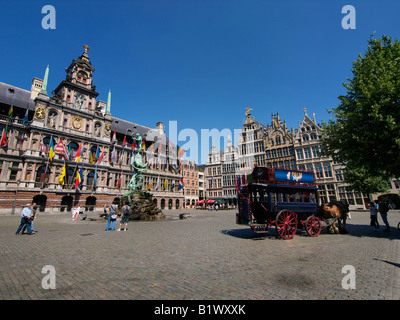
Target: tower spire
(108,108)
(46,77)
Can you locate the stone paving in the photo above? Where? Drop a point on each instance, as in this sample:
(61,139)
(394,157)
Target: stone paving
(204,257)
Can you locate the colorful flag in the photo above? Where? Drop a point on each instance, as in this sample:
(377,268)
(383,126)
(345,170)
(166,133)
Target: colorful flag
(180,152)
(26,118)
(114,137)
(101,157)
(143,145)
(21,140)
(95,178)
(92,159)
(132,159)
(158,183)
(173,186)
(119,182)
(62,176)
(113,156)
(124,143)
(165,184)
(3,141)
(79,178)
(171,150)
(120,157)
(181,184)
(78,153)
(10,113)
(60,149)
(51,149)
(43,153)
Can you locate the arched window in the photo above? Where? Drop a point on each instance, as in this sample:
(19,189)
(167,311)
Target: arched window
(90,180)
(42,176)
(73,148)
(46,143)
(69,181)
(94,154)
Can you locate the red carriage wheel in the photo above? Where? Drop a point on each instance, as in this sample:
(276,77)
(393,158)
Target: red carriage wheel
(286,224)
(313,226)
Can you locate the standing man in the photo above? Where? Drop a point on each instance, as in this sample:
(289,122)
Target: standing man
(112,217)
(383,209)
(126,210)
(26,216)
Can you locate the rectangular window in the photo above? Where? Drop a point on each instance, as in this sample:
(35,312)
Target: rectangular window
(299,153)
(327,170)
(307,153)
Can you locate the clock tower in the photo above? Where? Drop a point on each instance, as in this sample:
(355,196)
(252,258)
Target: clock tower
(77,90)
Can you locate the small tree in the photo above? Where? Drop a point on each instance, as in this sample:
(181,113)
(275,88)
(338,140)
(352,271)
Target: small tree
(365,132)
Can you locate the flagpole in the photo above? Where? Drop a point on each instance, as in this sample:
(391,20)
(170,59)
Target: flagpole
(73,175)
(45,172)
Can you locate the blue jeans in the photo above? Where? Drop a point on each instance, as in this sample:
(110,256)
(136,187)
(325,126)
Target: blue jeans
(385,220)
(25,222)
(112,222)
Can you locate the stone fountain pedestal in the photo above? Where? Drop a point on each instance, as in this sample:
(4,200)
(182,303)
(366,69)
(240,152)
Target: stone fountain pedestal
(142,206)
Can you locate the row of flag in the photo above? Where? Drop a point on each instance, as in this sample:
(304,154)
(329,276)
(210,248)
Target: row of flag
(164,185)
(25,121)
(96,158)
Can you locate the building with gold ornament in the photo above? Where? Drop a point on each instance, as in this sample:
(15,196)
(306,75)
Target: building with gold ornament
(89,144)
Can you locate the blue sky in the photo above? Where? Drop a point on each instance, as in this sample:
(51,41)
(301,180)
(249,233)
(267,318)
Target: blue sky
(198,62)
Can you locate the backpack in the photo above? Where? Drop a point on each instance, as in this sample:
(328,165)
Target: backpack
(113,213)
(126,210)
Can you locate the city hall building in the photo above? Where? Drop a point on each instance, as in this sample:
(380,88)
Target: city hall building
(89,144)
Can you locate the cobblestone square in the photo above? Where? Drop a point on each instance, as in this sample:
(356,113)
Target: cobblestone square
(203,257)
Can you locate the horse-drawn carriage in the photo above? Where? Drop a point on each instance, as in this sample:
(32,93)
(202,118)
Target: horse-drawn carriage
(285,198)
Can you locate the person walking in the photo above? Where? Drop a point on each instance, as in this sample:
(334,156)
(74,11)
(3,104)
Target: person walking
(383,209)
(34,215)
(126,211)
(373,215)
(26,215)
(112,217)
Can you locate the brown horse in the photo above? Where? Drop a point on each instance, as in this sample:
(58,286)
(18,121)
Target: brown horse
(334,212)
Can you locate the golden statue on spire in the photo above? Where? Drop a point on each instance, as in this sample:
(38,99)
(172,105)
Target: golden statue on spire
(248,112)
(86,47)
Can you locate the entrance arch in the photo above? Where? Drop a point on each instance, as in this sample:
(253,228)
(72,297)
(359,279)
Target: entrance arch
(66,203)
(162,204)
(40,200)
(90,203)
(177,204)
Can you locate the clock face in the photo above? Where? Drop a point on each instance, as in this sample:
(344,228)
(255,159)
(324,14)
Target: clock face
(40,112)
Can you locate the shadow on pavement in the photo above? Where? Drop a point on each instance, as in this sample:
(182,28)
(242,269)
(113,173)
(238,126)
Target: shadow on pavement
(353,230)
